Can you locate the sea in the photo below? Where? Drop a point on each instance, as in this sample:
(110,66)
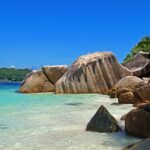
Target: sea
(47,121)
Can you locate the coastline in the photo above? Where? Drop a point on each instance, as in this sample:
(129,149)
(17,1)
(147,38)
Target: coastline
(19,82)
(89,74)
(57,121)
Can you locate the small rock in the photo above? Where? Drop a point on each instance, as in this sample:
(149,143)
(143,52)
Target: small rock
(113,95)
(103,121)
(126,98)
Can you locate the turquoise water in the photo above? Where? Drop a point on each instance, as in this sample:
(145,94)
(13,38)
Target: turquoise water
(55,122)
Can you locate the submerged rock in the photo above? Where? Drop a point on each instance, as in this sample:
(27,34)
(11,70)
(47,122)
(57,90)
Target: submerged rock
(103,121)
(137,122)
(92,73)
(142,145)
(74,104)
(140,64)
(36,82)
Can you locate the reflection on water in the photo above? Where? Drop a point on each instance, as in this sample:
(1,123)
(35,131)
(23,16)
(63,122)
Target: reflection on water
(74,104)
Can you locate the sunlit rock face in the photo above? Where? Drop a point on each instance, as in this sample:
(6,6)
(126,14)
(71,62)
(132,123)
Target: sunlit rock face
(54,73)
(43,80)
(130,82)
(36,82)
(92,73)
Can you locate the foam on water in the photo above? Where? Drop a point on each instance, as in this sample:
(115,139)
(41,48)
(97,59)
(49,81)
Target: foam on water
(56,122)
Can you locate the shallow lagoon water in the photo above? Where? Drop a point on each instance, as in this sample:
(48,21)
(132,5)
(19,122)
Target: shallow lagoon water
(56,122)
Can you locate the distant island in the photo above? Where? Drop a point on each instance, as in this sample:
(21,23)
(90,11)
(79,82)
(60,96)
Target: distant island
(13,74)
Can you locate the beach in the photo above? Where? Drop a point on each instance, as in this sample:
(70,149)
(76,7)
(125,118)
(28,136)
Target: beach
(47,121)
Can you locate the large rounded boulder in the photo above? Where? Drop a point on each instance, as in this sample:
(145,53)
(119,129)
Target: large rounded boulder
(137,122)
(36,82)
(130,82)
(103,121)
(92,73)
(144,92)
(125,89)
(140,64)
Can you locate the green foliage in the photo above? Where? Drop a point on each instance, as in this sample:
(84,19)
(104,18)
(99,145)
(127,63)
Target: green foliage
(12,74)
(143,45)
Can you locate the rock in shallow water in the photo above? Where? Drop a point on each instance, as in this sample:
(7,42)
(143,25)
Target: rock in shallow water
(137,122)
(92,73)
(103,121)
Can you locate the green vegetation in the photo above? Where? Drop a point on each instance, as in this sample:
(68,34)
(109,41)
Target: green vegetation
(12,74)
(143,45)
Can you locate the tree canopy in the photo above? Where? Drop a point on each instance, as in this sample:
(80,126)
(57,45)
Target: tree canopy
(143,45)
(12,74)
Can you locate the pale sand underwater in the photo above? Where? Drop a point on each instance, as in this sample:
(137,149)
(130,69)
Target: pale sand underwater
(56,122)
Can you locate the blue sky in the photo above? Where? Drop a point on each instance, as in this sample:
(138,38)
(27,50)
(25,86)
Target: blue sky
(49,32)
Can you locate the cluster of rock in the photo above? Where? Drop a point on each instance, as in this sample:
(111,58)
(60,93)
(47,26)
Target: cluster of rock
(43,80)
(131,89)
(92,73)
(140,64)
(137,123)
(101,73)
(134,89)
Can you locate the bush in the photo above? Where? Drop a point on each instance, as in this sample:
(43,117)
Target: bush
(12,74)
(143,45)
